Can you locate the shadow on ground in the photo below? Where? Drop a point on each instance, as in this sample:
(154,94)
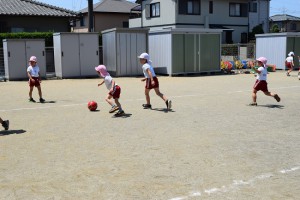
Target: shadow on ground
(10,132)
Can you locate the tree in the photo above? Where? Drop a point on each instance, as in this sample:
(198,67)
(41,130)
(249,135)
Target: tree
(256,30)
(275,28)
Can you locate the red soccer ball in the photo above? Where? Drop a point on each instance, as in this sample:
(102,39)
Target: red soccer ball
(92,105)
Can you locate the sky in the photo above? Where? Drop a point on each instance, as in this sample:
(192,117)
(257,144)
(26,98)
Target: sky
(277,6)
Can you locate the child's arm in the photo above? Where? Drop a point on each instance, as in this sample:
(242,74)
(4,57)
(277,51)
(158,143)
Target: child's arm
(101,83)
(151,77)
(29,76)
(112,86)
(40,79)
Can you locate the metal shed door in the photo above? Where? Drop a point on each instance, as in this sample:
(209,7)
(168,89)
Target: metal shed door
(89,54)
(37,48)
(209,52)
(15,60)
(70,55)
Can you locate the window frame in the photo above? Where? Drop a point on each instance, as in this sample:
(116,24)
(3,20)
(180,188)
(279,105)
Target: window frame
(241,7)
(183,7)
(211,7)
(155,7)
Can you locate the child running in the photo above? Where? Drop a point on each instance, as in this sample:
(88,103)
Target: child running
(5,123)
(151,81)
(261,81)
(289,63)
(114,90)
(33,72)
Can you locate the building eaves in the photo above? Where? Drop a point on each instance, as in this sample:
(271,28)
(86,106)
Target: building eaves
(32,8)
(112,6)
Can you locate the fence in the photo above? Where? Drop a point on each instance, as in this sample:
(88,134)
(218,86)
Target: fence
(238,51)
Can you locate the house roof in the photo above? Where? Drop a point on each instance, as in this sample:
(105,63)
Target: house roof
(32,8)
(284,17)
(112,6)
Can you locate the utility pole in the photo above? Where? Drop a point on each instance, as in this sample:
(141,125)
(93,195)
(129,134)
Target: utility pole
(91,16)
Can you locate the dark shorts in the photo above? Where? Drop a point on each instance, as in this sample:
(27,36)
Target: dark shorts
(289,65)
(36,82)
(116,93)
(261,85)
(149,85)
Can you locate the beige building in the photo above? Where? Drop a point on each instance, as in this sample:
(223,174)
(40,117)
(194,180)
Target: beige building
(107,14)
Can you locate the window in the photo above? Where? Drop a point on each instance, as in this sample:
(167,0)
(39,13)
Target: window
(253,7)
(189,7)
(155,10)
(211,7)
(82,22)
(238,10)
(293,26)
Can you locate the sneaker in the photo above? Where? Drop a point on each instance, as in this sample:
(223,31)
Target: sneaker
(113,109)
(288,74)
(42,100)
(31,100)
(5,124)
(119,113)
(146,106)
(299,75)
(277,97)
(169,104)
(253,104)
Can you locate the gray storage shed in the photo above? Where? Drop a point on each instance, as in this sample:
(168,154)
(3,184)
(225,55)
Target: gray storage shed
(181,51)
(76,54)
(276,46)
(121,46)
(16,56)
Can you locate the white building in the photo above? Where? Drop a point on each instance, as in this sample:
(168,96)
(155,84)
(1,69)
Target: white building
(235,17)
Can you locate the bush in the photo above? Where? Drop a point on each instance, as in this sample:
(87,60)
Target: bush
(48,36)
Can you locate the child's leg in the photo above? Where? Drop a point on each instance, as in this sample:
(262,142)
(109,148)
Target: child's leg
(30,91)
(118,104)
(147,91)
(40,91)
(273,95)
(109,101)
(160,94)
(254,95)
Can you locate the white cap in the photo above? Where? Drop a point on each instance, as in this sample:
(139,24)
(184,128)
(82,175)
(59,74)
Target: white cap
(144,56)
(291,54)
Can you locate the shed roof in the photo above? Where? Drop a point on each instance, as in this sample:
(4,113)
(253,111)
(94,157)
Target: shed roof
(32,8)
(112,6)
(284,17)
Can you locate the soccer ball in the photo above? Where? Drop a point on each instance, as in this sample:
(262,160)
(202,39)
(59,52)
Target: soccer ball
(92,105)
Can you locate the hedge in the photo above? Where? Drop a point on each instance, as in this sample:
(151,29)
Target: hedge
(48,36)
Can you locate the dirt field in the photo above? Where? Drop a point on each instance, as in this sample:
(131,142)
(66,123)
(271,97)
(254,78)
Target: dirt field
(210,146)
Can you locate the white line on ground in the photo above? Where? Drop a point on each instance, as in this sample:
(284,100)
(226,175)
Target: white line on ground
(131,100)
(236,184)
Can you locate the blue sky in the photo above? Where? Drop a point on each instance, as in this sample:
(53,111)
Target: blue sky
(291,7)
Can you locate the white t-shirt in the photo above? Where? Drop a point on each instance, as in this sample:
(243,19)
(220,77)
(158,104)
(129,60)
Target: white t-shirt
(34,71)
(289,59)
(108,82)
(262,76)
(147,66)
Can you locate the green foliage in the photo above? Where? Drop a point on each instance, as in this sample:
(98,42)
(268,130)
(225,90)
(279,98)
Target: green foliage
(48,36)
(256,30)
(275,28)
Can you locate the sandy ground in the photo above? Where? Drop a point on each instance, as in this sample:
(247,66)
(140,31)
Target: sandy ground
(210,146)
